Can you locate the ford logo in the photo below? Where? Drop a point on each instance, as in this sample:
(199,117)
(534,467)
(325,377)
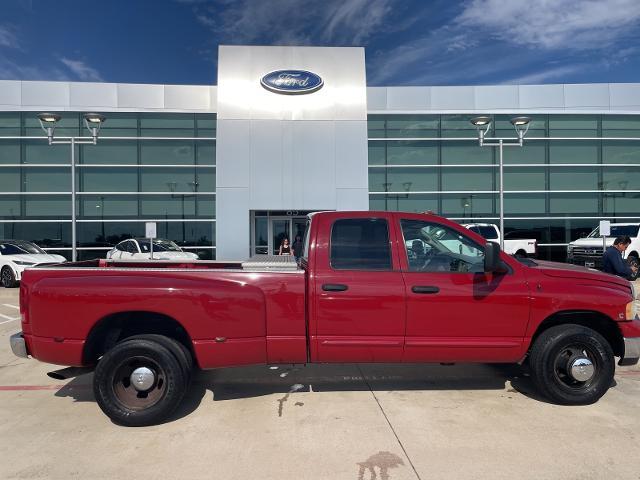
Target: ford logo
(291,82)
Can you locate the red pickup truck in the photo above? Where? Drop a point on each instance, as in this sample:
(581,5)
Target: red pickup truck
(370,287)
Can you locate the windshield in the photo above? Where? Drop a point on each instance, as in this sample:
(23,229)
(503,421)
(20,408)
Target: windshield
(159,246)
(618,231)
(486,231)
(20,248)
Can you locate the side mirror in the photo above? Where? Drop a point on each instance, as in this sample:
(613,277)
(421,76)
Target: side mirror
(492,257)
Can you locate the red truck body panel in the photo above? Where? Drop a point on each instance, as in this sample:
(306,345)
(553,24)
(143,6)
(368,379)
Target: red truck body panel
(237,317)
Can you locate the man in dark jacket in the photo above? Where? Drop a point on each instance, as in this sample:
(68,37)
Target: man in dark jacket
(612,261)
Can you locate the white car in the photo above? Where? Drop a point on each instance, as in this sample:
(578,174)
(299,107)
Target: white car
(140,249)
(16,255)
(526,247)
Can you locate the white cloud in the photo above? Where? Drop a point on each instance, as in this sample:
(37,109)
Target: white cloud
(546,74)
(286,22)
(552,24)
(82,71)
(8,38)
(490,40)
(10,70)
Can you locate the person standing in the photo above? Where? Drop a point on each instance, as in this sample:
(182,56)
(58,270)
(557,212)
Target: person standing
(297,247)
(612,261)
(285,248)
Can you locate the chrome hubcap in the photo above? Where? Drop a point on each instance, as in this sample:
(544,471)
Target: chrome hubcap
(142,379)
(581,369)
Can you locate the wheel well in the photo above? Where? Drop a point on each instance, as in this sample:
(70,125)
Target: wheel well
(593,320)
(521,252)
(118,326)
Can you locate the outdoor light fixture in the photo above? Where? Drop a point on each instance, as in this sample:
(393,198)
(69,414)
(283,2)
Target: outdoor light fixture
(48,123)
(482,124)
(521,124)
(93,122)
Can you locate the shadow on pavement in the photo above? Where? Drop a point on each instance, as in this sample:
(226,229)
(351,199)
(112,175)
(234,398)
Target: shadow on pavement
(255,381)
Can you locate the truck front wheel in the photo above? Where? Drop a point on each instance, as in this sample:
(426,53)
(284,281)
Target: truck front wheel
(572,364)
(139,382)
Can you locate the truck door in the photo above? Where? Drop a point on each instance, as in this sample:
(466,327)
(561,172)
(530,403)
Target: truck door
(456,311)
(358,306)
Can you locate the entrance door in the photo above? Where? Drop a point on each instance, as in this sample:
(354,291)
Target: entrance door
(280,229)
(269,228)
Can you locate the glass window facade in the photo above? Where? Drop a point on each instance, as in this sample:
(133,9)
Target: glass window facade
(570,173)
(145,167)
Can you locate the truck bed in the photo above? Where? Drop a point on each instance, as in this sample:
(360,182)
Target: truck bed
(257,263)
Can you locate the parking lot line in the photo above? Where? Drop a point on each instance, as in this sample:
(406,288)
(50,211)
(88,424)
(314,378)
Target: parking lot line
(8,319)
(10,306)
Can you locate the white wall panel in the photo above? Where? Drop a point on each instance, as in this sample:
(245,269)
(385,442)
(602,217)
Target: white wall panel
(541,96)
(582,96)
(232,223)
(54,94)
(314,147)
(409,98)
(349,148)
(452,98)
(352,199)
(497,97)
(192,97)
(377,98)
(88,94)
(233,153)
(267,167)
(624,94)
(140,96)
(213,99)
(10,92)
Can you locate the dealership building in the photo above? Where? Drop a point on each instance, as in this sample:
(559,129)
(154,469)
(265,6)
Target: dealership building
(228,170)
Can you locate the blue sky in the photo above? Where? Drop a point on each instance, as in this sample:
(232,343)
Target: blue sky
(408,42)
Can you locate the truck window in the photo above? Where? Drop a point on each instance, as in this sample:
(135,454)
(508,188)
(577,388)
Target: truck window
(360,244)
(435,248)
(486,231)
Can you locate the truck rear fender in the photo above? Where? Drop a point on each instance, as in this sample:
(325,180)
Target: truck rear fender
(597,321)
(117,326)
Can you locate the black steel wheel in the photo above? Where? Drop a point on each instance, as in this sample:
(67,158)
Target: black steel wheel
(182,353)
(572,364)
(139,382)
(8,278)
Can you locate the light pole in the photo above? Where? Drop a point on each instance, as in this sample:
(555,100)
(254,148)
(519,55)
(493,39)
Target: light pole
(482,124)
(93,122)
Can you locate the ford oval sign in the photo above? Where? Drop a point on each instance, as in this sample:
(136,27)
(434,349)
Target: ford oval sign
(292,82)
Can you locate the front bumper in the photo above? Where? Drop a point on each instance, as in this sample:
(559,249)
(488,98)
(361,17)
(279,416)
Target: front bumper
(631,351)
(18,345)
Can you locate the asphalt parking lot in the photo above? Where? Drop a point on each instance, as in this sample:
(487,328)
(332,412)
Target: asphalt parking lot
(319,422)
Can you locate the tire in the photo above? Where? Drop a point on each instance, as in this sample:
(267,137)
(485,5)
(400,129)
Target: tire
(128,405)
(521,254)
(552,355)
(8,278)
(182,353)
(632,259)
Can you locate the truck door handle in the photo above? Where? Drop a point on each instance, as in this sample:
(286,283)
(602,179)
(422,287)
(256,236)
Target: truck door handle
(334,287)
(424,289)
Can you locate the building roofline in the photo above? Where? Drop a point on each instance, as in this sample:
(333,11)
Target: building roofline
(590,98)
